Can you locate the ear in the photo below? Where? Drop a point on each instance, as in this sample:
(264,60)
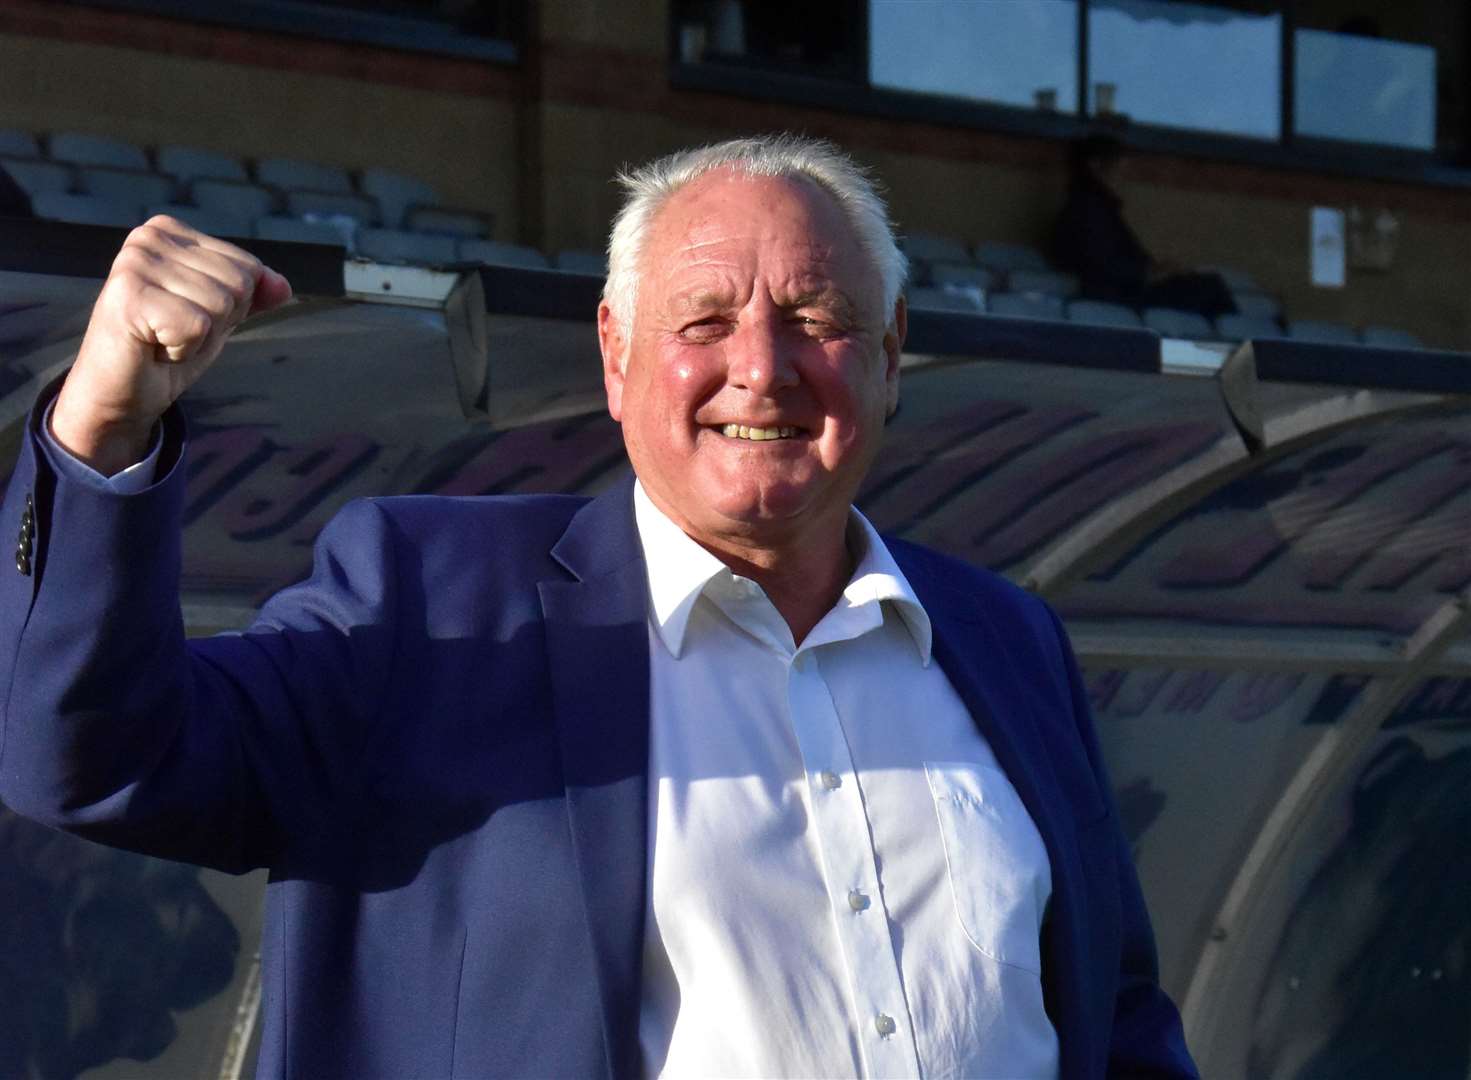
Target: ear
(615,348)
(893,350)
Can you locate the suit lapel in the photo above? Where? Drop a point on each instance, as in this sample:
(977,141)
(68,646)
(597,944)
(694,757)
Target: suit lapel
(597,647)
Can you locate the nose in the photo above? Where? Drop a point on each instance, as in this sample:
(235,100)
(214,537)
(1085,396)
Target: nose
(758,358)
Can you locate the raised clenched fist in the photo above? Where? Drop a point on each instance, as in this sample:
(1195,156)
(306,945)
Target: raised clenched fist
(170,301)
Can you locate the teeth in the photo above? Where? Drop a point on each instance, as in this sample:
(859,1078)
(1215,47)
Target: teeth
(757,434)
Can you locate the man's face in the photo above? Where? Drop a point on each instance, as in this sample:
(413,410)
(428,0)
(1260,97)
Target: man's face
(761,364)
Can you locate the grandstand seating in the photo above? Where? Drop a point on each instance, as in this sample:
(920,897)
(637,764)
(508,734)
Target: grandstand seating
(22,144)
(126,187)
(1169,322)
(1102,313)
(213,222)
(1047,282)
(581,262)
(280,227)
(933,248)
(393,217)
(398,245)
(185,163)
(1246,327)
(395,193)
(1026,305)
(84,209)
(287,174)
(329,204)
(239,198)
(79,148)
(1326,333)
(1010,257)
(36,176)
(935,298)
(436,219)
(1390,338)
(495,253)
(941,274)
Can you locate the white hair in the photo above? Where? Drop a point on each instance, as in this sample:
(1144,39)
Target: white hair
(648,187)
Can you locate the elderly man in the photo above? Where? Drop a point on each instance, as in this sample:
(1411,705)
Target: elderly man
(701,777)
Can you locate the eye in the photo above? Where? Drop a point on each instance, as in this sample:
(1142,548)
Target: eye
(705,330)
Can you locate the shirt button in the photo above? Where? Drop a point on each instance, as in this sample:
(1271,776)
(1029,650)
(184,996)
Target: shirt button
(885,1024)
(830,780)
(858,901)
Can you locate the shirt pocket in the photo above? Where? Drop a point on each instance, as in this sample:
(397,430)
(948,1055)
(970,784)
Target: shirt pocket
(1000,877)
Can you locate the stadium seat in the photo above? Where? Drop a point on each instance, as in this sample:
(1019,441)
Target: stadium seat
(82,149)
(1047,282)
(1171,322)
(1236,280)
(581,262)
(1257,303)
(84,209)
(1101,313)
(249,201)
(445,222)
(16,143)
(1010,257)
(395,193)
(212,222)
(35,177)
(128,186)
(1387,337)
(401,246)
(495,253)
(327,204)
(290,174)
(280,227)
(1322,332)
(941,274)
(937,298)
(1248,328)
(185,163)
(934,248)
(1025,305)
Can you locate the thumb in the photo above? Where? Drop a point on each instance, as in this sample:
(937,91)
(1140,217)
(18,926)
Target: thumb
(271,291)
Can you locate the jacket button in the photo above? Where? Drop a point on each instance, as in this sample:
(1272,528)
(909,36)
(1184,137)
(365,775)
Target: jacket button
(24,547)
(23,563)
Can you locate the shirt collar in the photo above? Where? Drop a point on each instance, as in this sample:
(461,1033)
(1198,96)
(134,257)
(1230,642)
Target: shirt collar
(679,569)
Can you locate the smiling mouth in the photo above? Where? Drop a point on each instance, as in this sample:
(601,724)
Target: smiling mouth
(758,434)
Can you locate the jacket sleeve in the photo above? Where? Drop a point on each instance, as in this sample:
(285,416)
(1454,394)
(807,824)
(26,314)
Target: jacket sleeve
(230,752)
(1147,1038)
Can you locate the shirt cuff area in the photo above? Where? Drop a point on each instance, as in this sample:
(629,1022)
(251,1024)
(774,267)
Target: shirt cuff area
(130,481)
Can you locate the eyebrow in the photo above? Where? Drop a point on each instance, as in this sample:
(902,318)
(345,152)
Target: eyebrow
(829,298)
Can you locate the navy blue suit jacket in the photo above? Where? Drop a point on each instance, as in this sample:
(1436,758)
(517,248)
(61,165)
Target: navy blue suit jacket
(438,744)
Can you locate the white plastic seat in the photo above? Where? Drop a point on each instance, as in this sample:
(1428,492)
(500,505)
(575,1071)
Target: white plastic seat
(931,247)
(444,221)
(281,227)
(233,197)
(938,298)
(941,274)
(1048,282)
(211,222)
(326,204)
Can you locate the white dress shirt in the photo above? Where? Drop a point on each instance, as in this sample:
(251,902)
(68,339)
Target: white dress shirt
(842,881)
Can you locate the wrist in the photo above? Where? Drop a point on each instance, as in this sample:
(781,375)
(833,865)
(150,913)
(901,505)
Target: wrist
(108,444)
